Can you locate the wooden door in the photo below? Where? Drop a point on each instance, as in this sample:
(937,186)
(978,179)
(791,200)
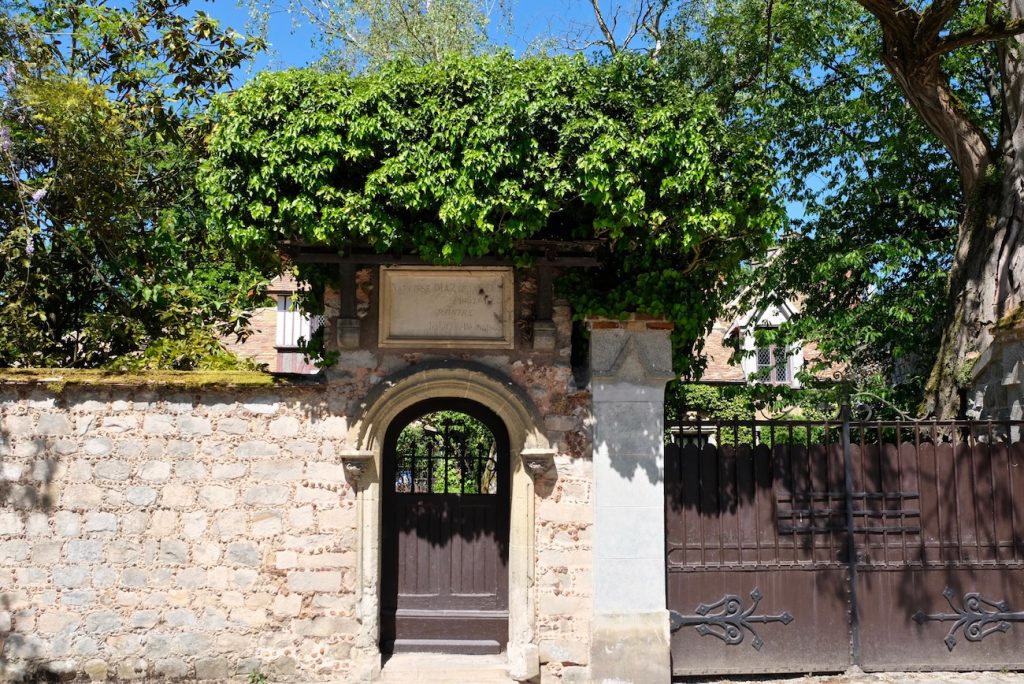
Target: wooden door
(445,545)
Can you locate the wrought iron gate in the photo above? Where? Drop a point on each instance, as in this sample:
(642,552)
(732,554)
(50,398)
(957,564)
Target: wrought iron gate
(798,546)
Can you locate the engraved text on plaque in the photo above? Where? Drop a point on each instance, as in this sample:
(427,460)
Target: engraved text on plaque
(422,306)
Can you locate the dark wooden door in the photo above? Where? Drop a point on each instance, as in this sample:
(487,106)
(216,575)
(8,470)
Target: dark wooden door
(445,537)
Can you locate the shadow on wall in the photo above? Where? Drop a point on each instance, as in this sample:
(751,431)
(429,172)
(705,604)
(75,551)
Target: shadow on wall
(27,471)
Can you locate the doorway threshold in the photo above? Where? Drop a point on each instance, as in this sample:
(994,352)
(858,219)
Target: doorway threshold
(414,668)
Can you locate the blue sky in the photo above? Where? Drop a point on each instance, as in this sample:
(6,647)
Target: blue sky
(527,22)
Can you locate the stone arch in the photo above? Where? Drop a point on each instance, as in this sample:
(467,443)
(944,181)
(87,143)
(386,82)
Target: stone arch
(365,439)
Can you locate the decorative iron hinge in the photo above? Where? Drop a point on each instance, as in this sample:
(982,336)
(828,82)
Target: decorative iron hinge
(728,624)
(978,616)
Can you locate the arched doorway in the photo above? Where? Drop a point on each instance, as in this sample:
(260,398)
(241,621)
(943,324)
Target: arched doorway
(445,523)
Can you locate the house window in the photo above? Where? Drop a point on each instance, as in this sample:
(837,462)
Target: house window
(773,365)
(292,326)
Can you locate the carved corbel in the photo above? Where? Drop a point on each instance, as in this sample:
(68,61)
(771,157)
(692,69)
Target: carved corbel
(356,462)
(538,461)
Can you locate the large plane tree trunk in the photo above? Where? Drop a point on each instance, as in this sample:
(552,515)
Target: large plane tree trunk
(985,281)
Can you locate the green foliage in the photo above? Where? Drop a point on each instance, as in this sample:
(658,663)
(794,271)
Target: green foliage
(198,350)
(466,440)
(468,157)
(875,195)
(103,248)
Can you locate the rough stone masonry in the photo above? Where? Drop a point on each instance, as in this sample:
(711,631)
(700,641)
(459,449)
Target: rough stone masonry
(163,532)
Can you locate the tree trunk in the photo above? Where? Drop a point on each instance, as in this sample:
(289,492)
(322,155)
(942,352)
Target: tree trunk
(985,281)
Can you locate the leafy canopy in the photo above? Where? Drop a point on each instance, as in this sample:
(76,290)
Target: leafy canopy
(874,196)
(103,246)
(468,157)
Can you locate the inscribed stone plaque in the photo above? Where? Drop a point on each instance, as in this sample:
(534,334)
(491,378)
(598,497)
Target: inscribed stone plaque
(423,306)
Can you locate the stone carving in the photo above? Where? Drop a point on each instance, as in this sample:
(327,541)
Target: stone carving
(441,307)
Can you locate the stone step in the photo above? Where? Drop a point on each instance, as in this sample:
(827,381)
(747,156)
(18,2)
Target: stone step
(434,668)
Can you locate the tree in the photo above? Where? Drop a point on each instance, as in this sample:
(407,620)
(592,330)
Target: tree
(471,156)
(357,35)
(986,280)
(881,200)
(102,248)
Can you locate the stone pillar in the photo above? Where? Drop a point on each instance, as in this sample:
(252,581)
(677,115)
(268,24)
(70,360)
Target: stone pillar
(630,362)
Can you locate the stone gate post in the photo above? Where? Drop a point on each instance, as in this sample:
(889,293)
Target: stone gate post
(630,363)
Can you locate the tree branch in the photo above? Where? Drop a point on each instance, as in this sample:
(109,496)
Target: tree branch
(935,17)
(979,34)
(609,36)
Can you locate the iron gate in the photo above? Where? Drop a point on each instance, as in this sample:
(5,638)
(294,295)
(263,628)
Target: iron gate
(799,546)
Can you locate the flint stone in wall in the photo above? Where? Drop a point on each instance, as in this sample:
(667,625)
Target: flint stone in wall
(213,668)
(190,470)
(145,618)
(118,424)
(229,471)
(217,497)
(158,424)
(232,426)
(178,449)
(191,578)
(243,553)
(112,470)
(10,524)
(133,578)
(53,424)
(140,496)
(13,552)
(71,576)
(100,522)
(52,622)
(178,496)
(171,668)
(192,426)
(163,523)
(266,524)
(194,524)
(98,446)
(17,426)
(102,622)
(256,449)
(67,524)
(83,496)
(155,471)
(84,551)
(277,470)
(37,524)
(285,426)
(230,523)
(173,551)
(266,495)
(11,471)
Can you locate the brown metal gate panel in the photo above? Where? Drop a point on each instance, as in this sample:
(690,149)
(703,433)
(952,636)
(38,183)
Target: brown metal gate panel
(760,541)
(941,586)
(750,594)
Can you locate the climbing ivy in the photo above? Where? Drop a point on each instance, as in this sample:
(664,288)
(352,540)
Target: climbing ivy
(467,157)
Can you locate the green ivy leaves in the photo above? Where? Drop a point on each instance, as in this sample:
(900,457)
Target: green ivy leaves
(467,157)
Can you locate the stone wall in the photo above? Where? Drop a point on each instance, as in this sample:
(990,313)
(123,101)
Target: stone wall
(998,378)
(175,534)
(210,533)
